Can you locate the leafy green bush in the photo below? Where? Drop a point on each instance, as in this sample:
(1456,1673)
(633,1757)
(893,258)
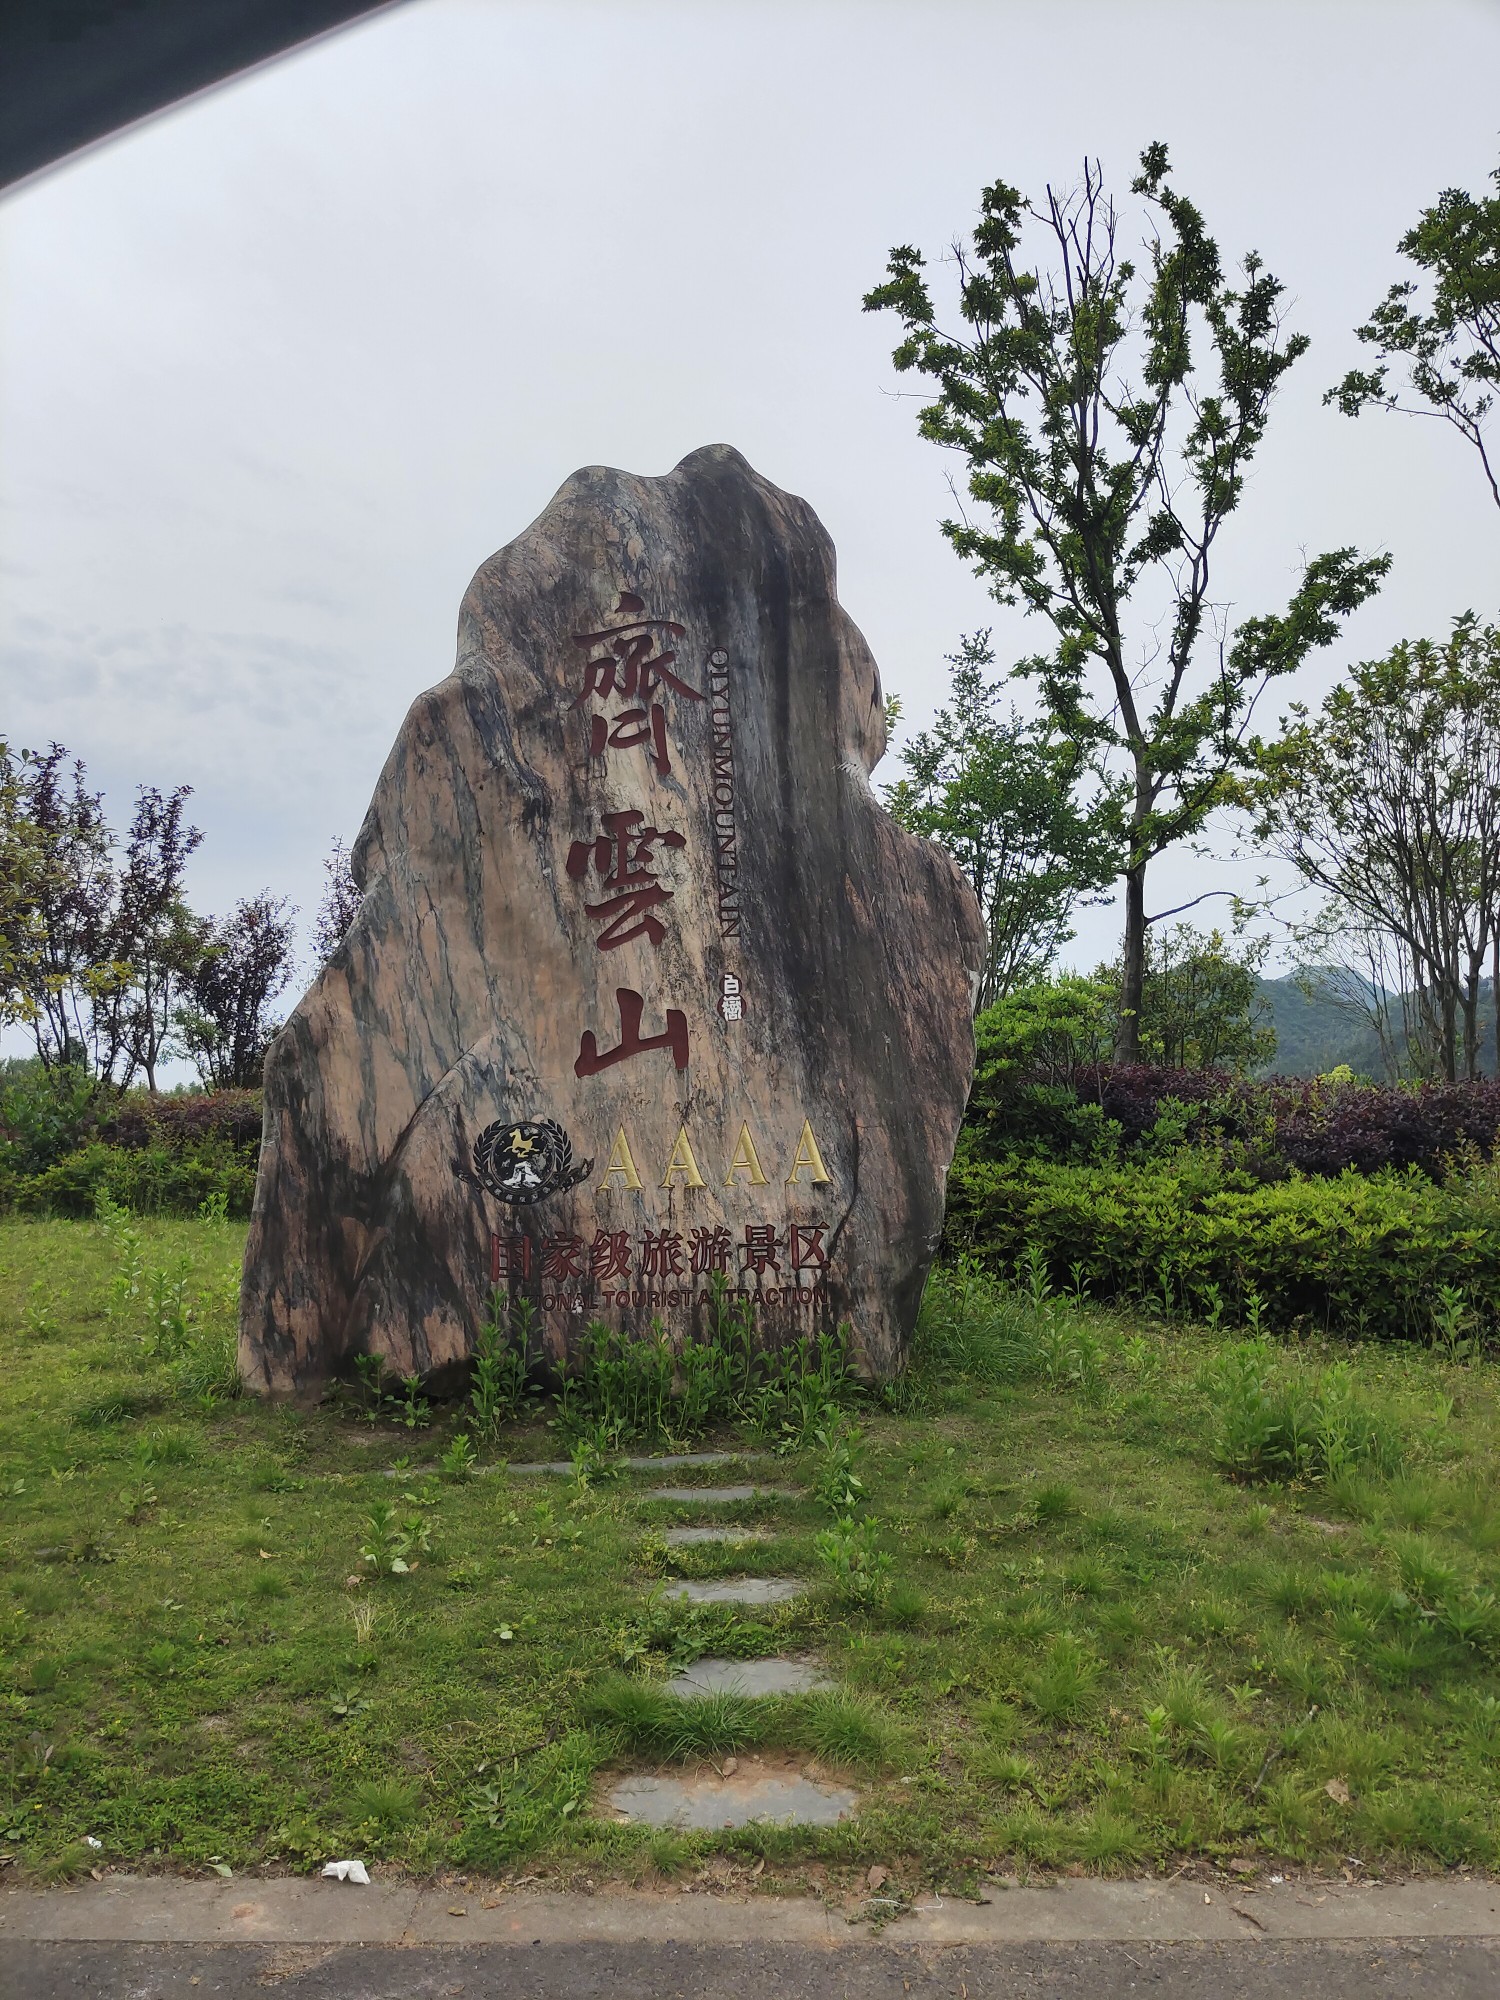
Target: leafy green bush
(65,1141)
(1044,1088)
(150,1180)
(44,1113)
(1359,1255)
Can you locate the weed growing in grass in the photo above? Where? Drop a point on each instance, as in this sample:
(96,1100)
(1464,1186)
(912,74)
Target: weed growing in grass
(1069,1352)
(1008,1770)
(41,1321)
(1339,1748)
(1280,1422)
(510,1813)
(854,1562)
(905,1607)
(626,1388)
(1425,1571)
(128,1280)
(1063,1687)
(1056,1501)
(1482,1723)
(413,1410)
(1455,1326)
(383,1803)
(393,1542)
(672,1633)
(843,1731)
(970,1328)
(501,1348)
(369,1376)
(1230,1747)
(1087,1577)
(137,1501)
(1472,1618)
(642,1717)
(164,1447)
(838,1489)
(460,1461)
(169,1314)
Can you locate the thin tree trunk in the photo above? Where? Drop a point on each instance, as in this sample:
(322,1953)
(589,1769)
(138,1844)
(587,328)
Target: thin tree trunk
(1132,968)
(1468,1001)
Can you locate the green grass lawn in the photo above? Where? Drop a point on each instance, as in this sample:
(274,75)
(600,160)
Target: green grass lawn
(1085,1628)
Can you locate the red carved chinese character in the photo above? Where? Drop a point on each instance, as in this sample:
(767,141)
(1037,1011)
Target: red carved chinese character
(806,1245)
(661,1254)
(609,1256)
(761,1243)
(510,1257)
(622,660)
(632,1042)
(562,1257)
(622,854)
(634,727)
(708,1250)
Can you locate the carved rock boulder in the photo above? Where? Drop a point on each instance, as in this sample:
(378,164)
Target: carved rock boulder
(647,999)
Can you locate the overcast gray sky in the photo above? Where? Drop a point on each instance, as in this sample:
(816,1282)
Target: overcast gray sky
(281,368)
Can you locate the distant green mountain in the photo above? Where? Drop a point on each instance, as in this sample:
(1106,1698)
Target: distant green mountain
(1315,1033)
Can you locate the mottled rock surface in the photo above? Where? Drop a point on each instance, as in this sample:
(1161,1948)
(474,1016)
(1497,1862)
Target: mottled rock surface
(645,988)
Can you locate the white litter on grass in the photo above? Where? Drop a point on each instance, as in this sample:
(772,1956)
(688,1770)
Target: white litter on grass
(90,1841)
(348,1871)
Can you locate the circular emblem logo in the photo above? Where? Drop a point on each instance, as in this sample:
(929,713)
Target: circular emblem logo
(520,1164)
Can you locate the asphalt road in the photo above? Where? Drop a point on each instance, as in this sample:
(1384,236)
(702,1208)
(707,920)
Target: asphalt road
(1424,1969)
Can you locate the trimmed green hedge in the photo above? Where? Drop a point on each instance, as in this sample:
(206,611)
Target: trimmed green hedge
(1360,1255)
(64,1140)
(150,1180)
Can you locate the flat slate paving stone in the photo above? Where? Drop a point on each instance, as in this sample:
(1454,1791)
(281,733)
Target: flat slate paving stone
(688,1537)
(702,1805)
(668,1462)
(739,1590)
(748,1677)
(718,1496)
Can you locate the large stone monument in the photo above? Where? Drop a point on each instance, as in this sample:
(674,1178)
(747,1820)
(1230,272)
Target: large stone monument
(646,989)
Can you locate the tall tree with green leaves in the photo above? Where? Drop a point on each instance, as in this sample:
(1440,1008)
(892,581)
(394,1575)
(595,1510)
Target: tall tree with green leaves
(153,931)
(1442,330)
(70,980)
(1201,1006)
(999,792)
(1388,800)
(21,862)
(226,1023)
(1108,412)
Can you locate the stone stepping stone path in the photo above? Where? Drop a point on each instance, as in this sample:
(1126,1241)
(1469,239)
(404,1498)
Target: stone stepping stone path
(666,1462)
(739,1590)
(687,1538)
(755,1792)
(745,1792)
(710,1676)
(718,1496)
